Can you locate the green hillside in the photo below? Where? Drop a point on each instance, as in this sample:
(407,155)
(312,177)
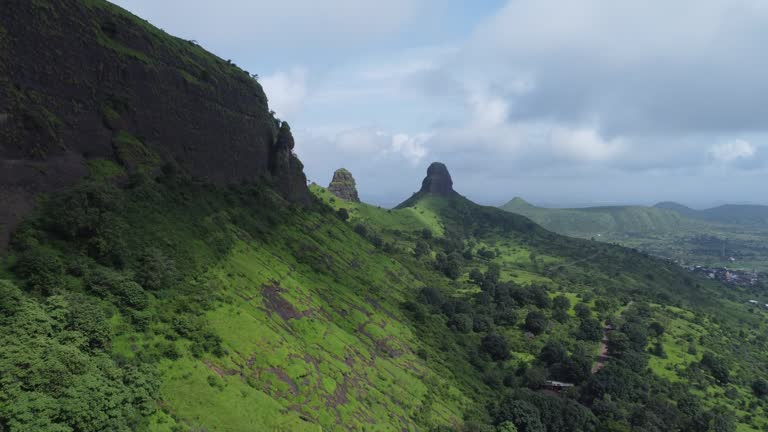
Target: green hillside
(705,237)
(733,214)
(608,221)
(157,288)
(198,307)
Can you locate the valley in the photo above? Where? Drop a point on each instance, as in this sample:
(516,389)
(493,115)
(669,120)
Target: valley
(715,238)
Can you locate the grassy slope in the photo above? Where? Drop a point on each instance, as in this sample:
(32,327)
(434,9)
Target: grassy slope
(329,346)
(309,312)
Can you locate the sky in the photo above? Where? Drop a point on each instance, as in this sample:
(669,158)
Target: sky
(563,103)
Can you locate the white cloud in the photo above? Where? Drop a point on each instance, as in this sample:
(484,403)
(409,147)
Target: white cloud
(486,109)
(286,91)
(584,144)
(410,147)
(733,151)
(378,144)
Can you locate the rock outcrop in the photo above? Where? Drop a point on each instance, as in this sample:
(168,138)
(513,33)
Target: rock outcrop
(343,185)
(81,80)
(438,180)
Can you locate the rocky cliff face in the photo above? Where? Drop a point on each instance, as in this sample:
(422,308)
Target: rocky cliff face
(438,180)
(343,185)
(85,79)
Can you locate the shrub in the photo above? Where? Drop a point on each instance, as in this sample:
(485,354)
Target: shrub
(41,269)
(561,302)
(716,367)
(760,387)
(361,230)
(495,346)
(536,322)
(590,329)
(522,414)
(155,270)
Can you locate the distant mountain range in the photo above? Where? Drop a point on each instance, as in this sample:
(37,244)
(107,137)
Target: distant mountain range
(663,217)
(591,221)
(711,236)
(735,214)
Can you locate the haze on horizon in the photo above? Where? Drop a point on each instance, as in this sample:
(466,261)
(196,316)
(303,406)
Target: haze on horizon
(561,103)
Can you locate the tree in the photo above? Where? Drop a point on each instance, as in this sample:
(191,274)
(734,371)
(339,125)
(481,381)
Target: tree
(590,330)
(535,377)
(656,329)
(495,346)
(432,296)
(342,214)
(361,230)
(538,296)
(536,322)
(41,269)
(421,248)
(493,273)
(522,414)
(561,316)
(582,311)
(155,270)
(552,352)
(716,367)
(561,302)
(449,265)
(507,426)
(760,387)
(637,334)
(476,276)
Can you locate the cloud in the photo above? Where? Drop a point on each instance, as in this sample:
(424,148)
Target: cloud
(584,144)
(411,148)
(259,25)
(378,144)
(733,151)
(286,90)
(636,66)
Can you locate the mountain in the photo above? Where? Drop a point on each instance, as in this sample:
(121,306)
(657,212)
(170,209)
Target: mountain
(732,214)
(158,288)
(726,236)
(593,221)
(89,81)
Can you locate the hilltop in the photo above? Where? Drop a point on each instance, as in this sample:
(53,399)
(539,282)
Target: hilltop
(184,278)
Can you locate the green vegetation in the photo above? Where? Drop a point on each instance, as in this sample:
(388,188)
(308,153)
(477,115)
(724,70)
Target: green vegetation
(144,300)
(132,153)
(704,237)
(225,308)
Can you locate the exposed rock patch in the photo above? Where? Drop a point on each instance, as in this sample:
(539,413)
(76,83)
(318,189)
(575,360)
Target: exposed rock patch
(276,303)
(343,185)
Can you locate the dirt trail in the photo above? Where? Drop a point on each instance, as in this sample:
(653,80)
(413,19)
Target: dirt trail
(603,356)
